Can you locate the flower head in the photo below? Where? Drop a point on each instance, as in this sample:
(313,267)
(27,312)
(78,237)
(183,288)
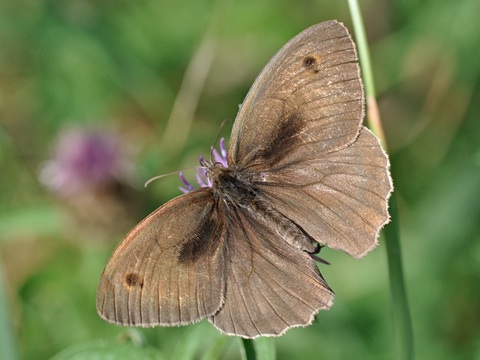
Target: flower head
(85,159)
(201,175)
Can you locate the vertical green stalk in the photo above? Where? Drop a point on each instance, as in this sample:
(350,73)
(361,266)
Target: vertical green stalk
(373,116)
(248,350)
(262,348)
(401,314)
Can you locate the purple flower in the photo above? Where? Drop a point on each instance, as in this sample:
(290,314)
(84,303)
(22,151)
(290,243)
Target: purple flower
(85,159)
(201,175)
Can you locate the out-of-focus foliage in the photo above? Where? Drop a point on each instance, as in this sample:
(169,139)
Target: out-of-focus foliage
(117,66)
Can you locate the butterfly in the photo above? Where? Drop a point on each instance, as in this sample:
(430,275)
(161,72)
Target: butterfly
(302,173)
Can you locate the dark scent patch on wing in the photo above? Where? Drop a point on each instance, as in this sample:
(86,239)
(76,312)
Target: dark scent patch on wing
(133,279)
(202,242)
(284,138)
(310,62)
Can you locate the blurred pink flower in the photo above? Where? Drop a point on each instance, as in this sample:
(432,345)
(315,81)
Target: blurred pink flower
(85,160)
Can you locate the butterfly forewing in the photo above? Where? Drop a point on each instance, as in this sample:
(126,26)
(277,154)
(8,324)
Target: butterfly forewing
(308,98)
(169,269)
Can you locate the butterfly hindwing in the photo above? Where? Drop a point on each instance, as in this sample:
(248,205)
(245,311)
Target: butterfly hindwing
(271,285)
(340,198)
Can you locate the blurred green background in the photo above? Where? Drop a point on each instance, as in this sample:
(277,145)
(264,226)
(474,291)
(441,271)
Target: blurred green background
(113,70)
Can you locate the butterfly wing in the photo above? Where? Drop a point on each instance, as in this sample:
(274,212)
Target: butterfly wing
(340,198)
(169,268)
(300,128)
(271,285)
(308,98)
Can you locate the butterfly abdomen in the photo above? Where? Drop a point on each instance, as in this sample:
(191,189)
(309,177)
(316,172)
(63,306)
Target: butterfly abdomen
(286,228)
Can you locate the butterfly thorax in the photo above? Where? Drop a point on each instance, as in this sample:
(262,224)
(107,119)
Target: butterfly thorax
(232,185)
(237,189)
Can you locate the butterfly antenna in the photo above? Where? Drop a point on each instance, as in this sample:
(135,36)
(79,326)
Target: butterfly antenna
(164,175)
(222,125)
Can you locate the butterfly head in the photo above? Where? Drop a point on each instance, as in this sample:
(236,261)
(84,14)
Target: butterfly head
(218,159)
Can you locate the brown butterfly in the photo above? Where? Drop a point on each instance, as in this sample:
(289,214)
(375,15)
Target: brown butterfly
(303,173)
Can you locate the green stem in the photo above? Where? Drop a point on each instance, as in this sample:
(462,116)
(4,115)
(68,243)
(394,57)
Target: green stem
(262,348)
(401,314)
(373,116)
(248,350)
(362,45)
